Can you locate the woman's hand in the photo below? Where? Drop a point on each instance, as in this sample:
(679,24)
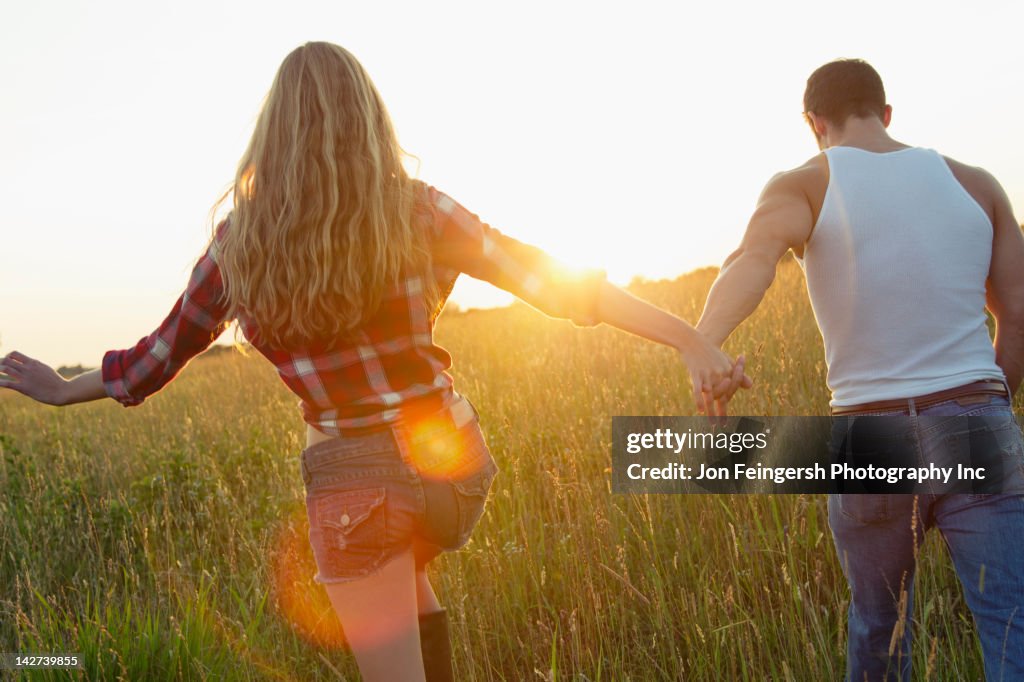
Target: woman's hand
(714,377)
(33,378)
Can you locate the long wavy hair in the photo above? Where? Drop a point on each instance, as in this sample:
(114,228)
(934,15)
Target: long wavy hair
(324,215)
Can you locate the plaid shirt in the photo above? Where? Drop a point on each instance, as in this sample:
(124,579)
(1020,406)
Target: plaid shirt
(388,370)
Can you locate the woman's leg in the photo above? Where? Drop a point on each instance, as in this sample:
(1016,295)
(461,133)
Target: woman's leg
(379,616)
(454,492)
(435,642)
(426,599)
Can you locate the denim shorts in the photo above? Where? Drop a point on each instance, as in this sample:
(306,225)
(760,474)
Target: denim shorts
(370,497)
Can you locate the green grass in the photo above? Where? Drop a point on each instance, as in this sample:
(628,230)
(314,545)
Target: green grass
(166,542)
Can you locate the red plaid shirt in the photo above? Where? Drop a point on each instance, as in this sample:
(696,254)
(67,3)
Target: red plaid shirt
(389,369)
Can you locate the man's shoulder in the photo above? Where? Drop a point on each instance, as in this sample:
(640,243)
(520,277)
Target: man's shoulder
(977,181)
(808,181)
(969,172)
(813,173)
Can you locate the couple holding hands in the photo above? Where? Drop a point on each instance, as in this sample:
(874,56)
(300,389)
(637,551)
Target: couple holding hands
(336,263)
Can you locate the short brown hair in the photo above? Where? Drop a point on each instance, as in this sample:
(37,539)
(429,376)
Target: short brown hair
(844,88)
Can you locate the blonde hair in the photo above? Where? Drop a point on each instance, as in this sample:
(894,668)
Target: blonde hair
(323,218)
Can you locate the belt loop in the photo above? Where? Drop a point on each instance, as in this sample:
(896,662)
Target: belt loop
(913,407)
(462,412)
(402,436)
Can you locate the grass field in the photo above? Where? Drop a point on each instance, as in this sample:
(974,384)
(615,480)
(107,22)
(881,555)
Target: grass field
(167,541)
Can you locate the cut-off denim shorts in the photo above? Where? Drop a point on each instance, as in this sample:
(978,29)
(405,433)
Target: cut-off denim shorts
(369,497)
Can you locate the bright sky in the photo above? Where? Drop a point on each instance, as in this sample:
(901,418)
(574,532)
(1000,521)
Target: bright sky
(629,136)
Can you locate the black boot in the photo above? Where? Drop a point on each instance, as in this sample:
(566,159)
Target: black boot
(436,647)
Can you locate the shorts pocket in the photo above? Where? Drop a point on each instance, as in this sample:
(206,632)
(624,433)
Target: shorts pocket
(348,532)
(471,497)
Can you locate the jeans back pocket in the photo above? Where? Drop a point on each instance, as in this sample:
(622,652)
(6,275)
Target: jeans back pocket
(987,449)
(471,497)
(456,486)
(865,508)
(348,532)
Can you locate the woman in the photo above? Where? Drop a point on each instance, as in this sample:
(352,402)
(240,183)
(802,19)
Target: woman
(336,263)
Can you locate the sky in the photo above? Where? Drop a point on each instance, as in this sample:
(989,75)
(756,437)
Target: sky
(634,137)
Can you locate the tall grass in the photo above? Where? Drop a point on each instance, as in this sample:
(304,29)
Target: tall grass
(167,541)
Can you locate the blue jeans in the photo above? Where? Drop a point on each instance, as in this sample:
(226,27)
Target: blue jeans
(877,537)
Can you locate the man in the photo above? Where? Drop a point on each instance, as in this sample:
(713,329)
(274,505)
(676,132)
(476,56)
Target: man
(902,249)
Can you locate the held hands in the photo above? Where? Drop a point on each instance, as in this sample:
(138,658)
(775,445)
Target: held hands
(714,377)
(31,377)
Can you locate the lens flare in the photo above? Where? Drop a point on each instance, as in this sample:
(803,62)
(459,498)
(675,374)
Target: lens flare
(436,450)
(303,602)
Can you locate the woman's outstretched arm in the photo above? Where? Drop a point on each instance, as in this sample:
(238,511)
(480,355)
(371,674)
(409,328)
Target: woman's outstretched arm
(40,382)
(713,376)
(466,244)
(129,376)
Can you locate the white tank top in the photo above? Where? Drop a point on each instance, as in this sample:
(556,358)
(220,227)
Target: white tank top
(896,269)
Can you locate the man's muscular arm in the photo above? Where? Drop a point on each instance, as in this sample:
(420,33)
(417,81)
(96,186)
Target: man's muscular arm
(783,220)
(1005,286)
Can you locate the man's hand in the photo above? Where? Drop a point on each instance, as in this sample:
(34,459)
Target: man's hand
(713,376)
(33,378)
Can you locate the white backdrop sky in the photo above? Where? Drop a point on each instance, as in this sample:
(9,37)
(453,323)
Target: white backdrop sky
(630,137)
